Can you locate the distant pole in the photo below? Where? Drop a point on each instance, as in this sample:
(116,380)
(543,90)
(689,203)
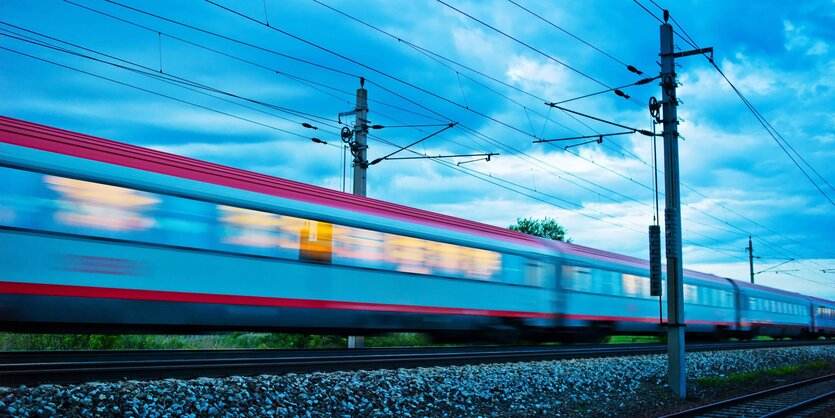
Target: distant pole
(751,257)
(675,273)
(360,167)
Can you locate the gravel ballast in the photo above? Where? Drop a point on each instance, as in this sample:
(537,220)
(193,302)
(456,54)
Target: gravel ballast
(615,386)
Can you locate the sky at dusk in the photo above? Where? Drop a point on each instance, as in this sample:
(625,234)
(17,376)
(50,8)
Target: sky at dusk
(232,82)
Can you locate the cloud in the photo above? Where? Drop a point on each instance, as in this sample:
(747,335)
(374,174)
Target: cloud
(796,39)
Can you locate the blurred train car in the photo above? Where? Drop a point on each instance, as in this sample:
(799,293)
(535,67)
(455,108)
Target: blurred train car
(99,236)
(823,319)
(106,236)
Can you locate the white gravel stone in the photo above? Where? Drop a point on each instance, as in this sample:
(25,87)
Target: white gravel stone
(614,386)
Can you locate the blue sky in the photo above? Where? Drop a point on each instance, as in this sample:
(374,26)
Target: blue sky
(737,180)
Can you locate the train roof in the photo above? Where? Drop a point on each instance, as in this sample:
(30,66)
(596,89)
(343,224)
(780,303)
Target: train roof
(821,301)
(754,286)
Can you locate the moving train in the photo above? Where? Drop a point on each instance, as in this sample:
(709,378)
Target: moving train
(102,236)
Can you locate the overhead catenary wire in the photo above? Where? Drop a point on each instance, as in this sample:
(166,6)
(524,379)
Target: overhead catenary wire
(757,115)
(354,61)
(439,58)
(682,33)
(687,38)
(528,192)
(369,81)
(628,67)
(154,92)
(166,77)
(532,48)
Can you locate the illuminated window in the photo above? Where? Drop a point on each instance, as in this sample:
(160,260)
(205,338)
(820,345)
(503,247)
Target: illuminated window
(635,285)
(690,293)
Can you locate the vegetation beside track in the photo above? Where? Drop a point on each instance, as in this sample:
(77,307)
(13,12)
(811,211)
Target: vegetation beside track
(718,388)
(721,385)
(232,340)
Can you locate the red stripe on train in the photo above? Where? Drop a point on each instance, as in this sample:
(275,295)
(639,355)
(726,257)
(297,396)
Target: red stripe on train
(190,297)
(636,319)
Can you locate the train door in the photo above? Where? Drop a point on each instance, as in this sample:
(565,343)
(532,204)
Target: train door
(558,296)
(316,242)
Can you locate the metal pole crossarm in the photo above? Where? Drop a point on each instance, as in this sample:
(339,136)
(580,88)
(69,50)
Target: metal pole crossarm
(341,114)
(775,266)
(450,125)
(420,157)
(693,52)
(598,140)
(616,90)
(433,125)
(582,137)
(641,131)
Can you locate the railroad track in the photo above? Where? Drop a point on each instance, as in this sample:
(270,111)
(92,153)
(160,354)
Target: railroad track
(37,367)
(802,399)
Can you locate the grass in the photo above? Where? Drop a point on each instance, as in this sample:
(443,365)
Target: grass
(633,339)
(232,340)
(756,377)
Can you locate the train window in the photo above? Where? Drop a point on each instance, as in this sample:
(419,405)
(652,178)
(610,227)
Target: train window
(606,282)
(59,204)
(537,273)
(728,299)
(706,295)
(577,278)
(513,269)
(690,295)
(635,285)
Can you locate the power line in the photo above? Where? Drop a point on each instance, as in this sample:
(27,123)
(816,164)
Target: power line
(628,67)
(532,48)
(334,53)
(165,77)
(246,61)
(208,32)
(416,103)
(436,56)
(153,92)
(765,124)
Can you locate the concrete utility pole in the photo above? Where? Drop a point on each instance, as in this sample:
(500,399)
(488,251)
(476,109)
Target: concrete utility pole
(675,275)
(360,166)
(361,132)
(672,212)
(750,250)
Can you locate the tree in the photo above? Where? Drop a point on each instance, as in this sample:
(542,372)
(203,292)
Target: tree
(545,228)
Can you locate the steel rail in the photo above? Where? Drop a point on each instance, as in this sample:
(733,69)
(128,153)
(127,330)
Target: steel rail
(79,366)
(801,406)
(718,407)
